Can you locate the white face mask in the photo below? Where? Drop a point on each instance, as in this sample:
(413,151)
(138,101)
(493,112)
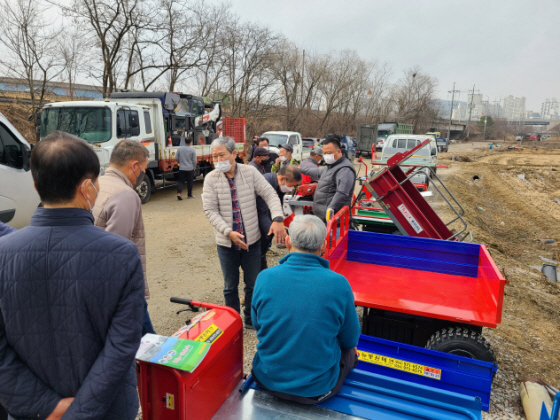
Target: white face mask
(223,165)
(329,159)
(283,158)
(285,188)
(96,195)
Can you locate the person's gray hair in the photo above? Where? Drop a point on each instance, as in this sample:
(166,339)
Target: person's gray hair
(227,141)
(127,150)
(307,233)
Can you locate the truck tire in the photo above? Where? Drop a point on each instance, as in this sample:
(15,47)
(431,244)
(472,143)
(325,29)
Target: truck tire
(144,190)
(462,341)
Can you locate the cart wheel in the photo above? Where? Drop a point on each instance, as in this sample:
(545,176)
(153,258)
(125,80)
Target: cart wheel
(462,342)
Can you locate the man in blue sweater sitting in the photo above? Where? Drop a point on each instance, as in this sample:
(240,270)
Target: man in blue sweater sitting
(305,319)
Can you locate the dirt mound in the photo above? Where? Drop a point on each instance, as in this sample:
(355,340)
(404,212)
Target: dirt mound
(511,207)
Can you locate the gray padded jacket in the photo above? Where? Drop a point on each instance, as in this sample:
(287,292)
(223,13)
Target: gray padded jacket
(216,200)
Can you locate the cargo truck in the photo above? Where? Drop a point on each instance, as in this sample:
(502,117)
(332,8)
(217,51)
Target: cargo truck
(158,120)
(388,128)
(367,137)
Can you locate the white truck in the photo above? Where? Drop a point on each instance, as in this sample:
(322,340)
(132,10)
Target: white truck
(155,119)
(278,138)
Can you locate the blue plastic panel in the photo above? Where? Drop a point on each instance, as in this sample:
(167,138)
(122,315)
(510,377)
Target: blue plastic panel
(448,257)
(377,397)
(461,375)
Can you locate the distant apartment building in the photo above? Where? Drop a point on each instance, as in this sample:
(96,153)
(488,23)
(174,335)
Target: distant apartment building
(478,106)
(550,109)
(514,108)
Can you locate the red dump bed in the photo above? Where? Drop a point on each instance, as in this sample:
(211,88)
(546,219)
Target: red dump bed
(447,280)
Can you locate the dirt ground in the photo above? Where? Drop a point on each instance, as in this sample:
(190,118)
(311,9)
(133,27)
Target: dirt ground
(512,206)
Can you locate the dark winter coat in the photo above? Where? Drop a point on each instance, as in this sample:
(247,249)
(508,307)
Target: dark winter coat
(71,311)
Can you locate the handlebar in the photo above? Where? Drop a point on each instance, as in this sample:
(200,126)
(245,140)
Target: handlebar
(194,304)
(181,301)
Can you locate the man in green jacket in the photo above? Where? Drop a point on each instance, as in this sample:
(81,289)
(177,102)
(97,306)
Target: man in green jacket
(285,158)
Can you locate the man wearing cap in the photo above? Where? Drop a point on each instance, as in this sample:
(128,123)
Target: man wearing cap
(260,156)
(312,162)
(285,158)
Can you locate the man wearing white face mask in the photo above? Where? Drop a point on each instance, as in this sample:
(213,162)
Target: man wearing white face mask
(118,208)
(285,158)
(230,204)
(283,181)
(336,182)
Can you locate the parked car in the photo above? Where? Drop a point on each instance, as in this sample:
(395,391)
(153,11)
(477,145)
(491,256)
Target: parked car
(349,147)
(443,144)
(308,144)
(18,198)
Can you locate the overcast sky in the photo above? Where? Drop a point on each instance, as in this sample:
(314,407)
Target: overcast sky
(505,47)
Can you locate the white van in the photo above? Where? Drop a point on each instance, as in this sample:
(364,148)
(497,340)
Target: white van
(427,155)
(18,198)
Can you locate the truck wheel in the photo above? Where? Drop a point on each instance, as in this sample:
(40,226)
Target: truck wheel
(144,190)
(462,341)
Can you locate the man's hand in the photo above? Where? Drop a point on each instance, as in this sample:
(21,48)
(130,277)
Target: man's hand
(278,161)
(277,228)
(60,409)
(237,239)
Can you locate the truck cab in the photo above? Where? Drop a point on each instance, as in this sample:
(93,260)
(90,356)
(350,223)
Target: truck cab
(278,138)
(103,124)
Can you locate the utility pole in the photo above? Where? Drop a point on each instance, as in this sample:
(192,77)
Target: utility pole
(470,111)
(451,112)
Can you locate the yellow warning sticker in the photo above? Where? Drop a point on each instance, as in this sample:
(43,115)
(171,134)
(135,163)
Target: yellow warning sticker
(210,315)
(389,362)
(170,401)
(210,334)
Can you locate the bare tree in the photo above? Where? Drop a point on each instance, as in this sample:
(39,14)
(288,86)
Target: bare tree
(71,48)
(30,42)
(111,22)
(415,98)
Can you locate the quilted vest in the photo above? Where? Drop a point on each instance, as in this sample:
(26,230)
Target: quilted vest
(326,188)
(111,183)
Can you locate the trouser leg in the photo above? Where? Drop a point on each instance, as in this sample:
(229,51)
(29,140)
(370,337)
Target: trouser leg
(181,181)
(230,261)
(190,180)
(348,361)
(251,265)
(265,243)
(147,327)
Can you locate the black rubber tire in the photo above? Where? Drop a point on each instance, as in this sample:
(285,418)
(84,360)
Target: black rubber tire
(144,190)
(462,341)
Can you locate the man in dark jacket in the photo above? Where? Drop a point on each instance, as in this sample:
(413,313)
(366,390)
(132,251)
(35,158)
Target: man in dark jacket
(336,183)
(260,156)
(71,299)
(283,181)
(312,162)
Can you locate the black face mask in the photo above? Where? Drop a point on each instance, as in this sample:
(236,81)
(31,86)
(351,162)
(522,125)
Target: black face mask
(139,178)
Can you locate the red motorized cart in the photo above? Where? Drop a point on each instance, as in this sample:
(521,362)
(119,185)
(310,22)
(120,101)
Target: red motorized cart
(426,292)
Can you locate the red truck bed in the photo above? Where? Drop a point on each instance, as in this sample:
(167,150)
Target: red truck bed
(447,280)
